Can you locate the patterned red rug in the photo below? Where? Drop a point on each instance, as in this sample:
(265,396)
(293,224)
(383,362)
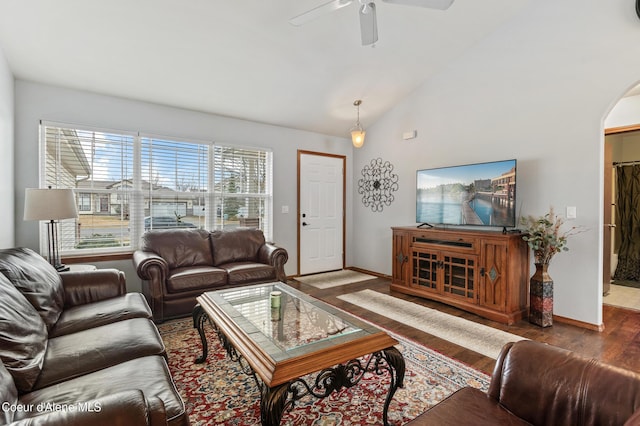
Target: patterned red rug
(219,392)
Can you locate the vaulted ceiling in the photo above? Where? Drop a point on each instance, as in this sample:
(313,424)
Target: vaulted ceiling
(242,58)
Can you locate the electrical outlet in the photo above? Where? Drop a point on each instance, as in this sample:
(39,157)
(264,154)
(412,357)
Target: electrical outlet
(285,209)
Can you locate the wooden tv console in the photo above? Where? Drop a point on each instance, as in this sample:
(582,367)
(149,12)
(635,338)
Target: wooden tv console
(484,272)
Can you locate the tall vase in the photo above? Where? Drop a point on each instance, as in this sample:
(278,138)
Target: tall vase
(541,297)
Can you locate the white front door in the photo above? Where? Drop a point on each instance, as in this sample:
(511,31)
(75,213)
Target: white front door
(321,213)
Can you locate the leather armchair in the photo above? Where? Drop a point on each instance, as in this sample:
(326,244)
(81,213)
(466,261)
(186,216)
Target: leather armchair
(538,384)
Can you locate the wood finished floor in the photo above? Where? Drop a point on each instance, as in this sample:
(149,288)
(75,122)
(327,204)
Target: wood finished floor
(618,344)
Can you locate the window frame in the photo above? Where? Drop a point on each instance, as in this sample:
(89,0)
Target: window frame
(82,198)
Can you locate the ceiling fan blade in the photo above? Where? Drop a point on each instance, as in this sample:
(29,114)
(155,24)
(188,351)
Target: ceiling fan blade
(318,11)
(431,4)
(368,24)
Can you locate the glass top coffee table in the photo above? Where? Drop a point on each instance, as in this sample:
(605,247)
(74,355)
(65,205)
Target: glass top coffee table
(285,335)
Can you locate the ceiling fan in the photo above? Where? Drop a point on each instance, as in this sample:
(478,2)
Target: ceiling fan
(367,11)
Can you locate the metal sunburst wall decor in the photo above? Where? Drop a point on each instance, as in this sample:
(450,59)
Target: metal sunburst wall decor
(378,184)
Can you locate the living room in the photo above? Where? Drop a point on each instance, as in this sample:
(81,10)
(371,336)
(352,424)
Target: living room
(530,96)
(541,87)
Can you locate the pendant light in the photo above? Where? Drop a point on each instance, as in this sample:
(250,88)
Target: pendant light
(357,132)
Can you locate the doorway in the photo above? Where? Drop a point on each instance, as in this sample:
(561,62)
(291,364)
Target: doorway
(622,152)
(321,217)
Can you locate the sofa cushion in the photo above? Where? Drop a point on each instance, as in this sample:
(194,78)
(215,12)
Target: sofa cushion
(249,272)
(83,317)
(23,336)
(195,278)
(8,394)
(179,247)
(129,408)
(149,374)
(90,350)
(467,406)
(236,245)
(36,279)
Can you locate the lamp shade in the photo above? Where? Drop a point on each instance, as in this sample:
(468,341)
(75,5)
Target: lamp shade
(357,132)
(49,204)
(357,137)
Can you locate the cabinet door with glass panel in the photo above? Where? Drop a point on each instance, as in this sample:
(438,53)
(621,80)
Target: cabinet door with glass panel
(453,274)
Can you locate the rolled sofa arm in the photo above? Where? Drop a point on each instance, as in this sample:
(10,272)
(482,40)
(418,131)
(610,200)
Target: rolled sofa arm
(83,287)
(144,261)
(153,271)
(496,377)
(123,408)
(275,256)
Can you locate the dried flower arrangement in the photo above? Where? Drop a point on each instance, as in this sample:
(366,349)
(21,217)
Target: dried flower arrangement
(544,236)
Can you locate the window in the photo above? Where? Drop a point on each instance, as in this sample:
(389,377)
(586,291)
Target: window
(84,202)
(127,184)
(242,187)
(174,183)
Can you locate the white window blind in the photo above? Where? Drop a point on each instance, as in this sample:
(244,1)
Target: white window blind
(243,187)
(98,165)
(174,183)
(126,184)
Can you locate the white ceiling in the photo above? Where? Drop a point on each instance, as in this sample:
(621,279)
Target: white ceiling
(241,58)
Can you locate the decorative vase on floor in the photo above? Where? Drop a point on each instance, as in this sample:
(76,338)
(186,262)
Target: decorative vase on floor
(541,297)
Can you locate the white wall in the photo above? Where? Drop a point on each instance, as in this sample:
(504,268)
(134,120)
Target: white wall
(537,89)
(7,235)
(626,112)
(35,102)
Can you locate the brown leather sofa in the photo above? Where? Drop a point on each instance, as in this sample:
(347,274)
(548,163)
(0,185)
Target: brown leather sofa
(538,384)
(76,348)
(178,265)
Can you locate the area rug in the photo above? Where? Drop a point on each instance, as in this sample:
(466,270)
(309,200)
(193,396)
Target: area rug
(476,337)
(219,392)
(334,278)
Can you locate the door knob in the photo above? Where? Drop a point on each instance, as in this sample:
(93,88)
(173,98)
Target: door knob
(611,225)
(305,224)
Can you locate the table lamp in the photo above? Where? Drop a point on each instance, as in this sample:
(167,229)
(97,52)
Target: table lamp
(51,205)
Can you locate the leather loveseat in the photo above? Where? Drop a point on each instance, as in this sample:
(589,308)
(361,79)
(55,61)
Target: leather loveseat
(178,265)
(537,384)
(77,349)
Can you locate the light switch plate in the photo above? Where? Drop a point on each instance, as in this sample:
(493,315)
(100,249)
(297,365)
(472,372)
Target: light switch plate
(571,212)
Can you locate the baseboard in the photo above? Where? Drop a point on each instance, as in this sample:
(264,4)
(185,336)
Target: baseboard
(580,324)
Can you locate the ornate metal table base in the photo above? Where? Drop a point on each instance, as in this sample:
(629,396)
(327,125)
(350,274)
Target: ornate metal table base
(199,318)
(275,400)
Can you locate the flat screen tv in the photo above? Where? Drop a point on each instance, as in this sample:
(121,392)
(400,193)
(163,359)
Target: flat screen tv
(481,194)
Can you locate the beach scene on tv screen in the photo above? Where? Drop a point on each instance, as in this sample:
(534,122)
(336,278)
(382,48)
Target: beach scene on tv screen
(474,194)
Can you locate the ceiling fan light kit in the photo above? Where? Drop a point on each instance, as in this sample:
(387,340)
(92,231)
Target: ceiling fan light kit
(367,12)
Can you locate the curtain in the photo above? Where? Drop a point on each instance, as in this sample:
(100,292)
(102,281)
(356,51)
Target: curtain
(628,220)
